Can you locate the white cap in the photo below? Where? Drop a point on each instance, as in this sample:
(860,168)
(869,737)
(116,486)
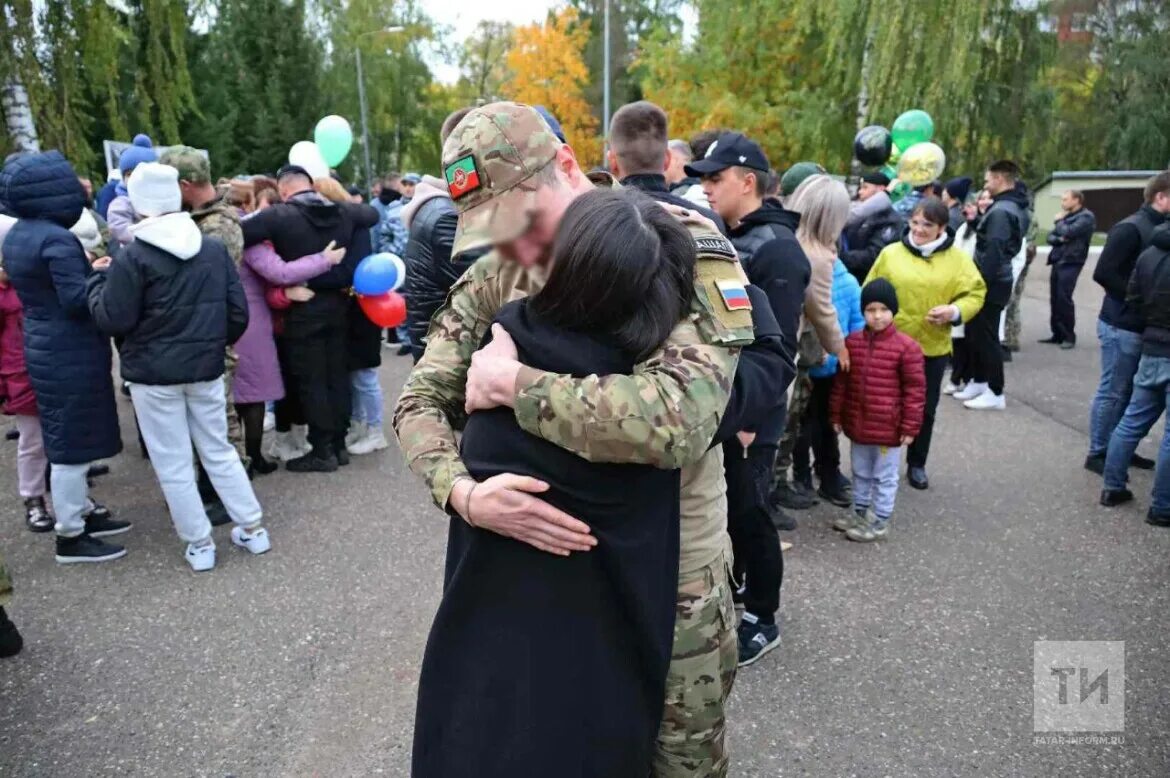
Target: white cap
(154,189)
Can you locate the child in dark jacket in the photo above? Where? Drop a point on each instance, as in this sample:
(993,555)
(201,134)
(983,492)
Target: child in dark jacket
(879,404)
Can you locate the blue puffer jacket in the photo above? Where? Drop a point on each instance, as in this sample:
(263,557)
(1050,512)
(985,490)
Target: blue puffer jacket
(68,358)
(847,301)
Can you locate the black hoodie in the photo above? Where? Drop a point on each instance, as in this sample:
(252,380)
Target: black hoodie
(1149,294)
(998,239)
(775,262)
(305,224)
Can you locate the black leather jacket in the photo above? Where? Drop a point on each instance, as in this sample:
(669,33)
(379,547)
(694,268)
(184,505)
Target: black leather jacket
(431,271)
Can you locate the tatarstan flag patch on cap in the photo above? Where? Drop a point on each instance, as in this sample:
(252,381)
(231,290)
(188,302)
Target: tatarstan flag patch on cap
(734,295)
(462,176)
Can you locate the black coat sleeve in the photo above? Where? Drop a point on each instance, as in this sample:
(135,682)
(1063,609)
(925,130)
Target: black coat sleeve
(256,228)
(1115,265)
(115,296)
(766,368)
(996,253)
(237,303)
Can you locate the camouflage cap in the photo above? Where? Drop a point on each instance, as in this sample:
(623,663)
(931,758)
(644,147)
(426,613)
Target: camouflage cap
(490,160)
(191,163)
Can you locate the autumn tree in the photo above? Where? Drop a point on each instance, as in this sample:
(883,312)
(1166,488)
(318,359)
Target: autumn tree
(483,61)
(548,68)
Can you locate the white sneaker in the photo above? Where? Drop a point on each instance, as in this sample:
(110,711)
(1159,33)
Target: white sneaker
(357,431)
(970,392)
(988,401)
(256,541)
(269,421)
(284,447)
(373,440)
(953,388)
(300,437)
(200,557)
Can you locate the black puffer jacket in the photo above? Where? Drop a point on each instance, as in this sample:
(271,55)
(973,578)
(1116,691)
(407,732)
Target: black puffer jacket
(775,262)
(1149,293)
(998,238)
(175,298)
(867,237)
(431,271)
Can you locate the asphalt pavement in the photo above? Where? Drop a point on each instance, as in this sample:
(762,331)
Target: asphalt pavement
(909,658)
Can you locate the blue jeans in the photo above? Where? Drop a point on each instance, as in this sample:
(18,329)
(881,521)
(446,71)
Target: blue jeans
(1150,393)
(367,396)
(1120,352)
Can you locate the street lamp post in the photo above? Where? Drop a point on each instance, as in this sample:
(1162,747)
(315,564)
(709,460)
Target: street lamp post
(361,83)
(605,86)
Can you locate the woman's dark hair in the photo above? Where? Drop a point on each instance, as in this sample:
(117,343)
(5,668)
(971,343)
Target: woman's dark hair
(621,265)
(933,210)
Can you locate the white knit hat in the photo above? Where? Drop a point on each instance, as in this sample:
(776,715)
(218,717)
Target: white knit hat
(154,189)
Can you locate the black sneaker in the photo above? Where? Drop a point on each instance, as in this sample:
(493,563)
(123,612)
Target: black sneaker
(755,640)
(785,522)
(342,456)
(95,510)
(97,470)
(37,516)
(404,349)
(836,493)
(12,434)
(1053,341)
(916,476)
(97,526)
(10,640)
(1111,498)
(1157,520)
(84,549)
(789,495)
(1141,463)
(261,466)
(1095,464)
(313,463)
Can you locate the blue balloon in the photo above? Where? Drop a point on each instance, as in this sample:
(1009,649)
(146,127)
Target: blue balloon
(378,274)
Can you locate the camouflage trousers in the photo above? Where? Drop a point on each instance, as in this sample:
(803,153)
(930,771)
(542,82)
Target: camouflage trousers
(797,409)
(235,428)
(5,584)
(1011,327)
(692,740)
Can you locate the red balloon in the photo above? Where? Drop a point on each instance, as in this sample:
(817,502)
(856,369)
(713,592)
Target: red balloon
(385,310)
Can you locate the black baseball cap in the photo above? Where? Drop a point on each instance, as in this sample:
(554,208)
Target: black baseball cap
(731,149)
(877,179)
(291,170)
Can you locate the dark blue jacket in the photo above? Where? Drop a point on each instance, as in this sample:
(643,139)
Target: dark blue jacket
(1125,243)
(176,314)
(68,357)
(998,238)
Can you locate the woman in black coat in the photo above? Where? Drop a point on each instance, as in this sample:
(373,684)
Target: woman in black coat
(547,665)
(68,357)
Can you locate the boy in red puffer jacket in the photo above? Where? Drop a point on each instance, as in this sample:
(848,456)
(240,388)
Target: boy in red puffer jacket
(879,404)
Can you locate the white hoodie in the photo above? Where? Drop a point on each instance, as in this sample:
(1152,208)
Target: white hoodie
(175,233)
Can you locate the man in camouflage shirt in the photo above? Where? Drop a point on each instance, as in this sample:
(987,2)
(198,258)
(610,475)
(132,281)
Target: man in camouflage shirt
(218,219)
(511,180)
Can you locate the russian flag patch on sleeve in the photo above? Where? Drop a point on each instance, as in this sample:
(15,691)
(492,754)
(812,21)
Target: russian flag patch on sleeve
(734,295)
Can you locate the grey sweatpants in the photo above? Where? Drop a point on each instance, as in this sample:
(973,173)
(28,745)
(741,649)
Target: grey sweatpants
(875,479)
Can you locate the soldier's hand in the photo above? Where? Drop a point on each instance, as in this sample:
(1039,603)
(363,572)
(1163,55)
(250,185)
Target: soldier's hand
(299,294)
(505,504)
(491,379)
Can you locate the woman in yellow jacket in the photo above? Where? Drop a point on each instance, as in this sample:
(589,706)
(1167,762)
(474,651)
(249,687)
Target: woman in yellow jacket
(938,286)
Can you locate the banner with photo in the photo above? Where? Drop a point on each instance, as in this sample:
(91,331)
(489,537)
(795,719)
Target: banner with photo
(113,150)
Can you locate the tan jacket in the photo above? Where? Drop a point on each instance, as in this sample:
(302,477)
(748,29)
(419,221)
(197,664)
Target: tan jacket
(819,313)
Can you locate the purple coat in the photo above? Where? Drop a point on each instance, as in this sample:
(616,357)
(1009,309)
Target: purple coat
(258,374)
(120,219)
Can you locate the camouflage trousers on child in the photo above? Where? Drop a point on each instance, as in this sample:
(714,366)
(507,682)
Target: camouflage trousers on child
(797,409)
(692,740)
(5,584)
(1011,327)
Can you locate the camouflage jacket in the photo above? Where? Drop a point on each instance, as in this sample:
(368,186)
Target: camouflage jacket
(665,414)
(219,219)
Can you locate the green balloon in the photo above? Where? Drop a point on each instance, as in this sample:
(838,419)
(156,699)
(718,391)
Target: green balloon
(890,172)
(912,127)
(901,189)
(334,137)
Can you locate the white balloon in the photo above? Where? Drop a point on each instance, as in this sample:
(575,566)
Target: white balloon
(306,154)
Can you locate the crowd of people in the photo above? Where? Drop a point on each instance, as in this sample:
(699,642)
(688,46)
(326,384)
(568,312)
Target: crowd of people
(625,379)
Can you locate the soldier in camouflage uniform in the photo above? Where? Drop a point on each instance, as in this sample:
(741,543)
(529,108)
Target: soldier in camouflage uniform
(218,219)
(510,179)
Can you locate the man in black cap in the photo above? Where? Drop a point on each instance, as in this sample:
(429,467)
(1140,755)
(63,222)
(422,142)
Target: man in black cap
(734,175)
(873,224)
(317,330)
(953,196)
